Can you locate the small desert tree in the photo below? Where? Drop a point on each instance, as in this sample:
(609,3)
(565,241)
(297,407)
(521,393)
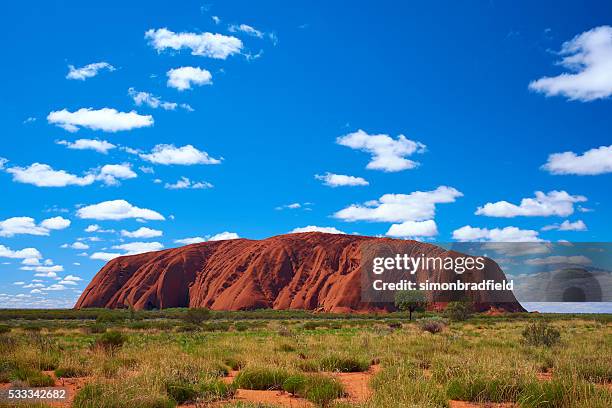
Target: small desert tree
(196,315)
(410,301)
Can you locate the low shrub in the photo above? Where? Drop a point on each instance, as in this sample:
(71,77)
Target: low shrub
(5,329)
(34,378)
(196,315)
(234,363)
(343,364)
(287,348)
(181,391)
(96,328)
(111,340)
(541,333)
(241,326)
(480,389)
(322,390)
(114,395)
(431,325)
(294,384)
(459,311)
(69,372)
(558,394)
(261,379)
(215,389)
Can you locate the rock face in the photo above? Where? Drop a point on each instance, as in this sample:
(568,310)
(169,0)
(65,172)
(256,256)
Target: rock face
(312,271)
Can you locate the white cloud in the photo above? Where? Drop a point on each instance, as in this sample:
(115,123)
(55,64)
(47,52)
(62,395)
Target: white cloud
(110,173)
(104,256)
(184,77)
(43,175)
(416,206)
(590,163)
(588,57)
(185,155)
(105,119)
(145,98)
(184,182)
(25,253)
(72,278)
(43,269)
(133,248)
(31,261)
(76,245)
(190,240)
(294,206)
(560,259)
(205,44)
(55,223)
(117,210)
(507,234)
(336,180)
(88,71)
(100,146)
(388,154)
(142,232)
(54,287)
(26,225)
(216,19)
(224,236)
(314,228)
(247,29)
(566,225)
(3,161)
(543,205)
(414,229)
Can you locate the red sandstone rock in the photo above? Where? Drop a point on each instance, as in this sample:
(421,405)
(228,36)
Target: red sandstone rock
(312,271)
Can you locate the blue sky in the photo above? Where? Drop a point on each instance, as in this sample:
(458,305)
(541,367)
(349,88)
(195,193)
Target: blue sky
(279,93)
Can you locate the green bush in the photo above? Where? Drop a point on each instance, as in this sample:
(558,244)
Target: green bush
(234,363)
(343,364)
(459,311)
(111,340)
(181,391)
(557,394)
(215,389)
(294,384)
(106,395)
(69,372)
(480,389)
(541,334)
(431,325)
(34,378)
(196,315)
(4,329)
(322,390)
(261,379)
(241,326)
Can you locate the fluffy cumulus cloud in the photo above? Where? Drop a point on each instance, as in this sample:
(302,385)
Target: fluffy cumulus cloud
(145,98)
(27,226)
(558,203)
(105,119)
(590,163)
(416,206)
(142,232)
(337,180)
(210,45)
(508,234)
(315,228)
(388,154)
(567,225)
(185,77)
(588,57)
(43,175)
(184,155)
(413,229)
(185,183)
(117,210)
(104,256)
(76,245)
(247,29)
(88,71)
(70,280)
(100,146)
(222,236)
(25,253)
(133,248)
(110,174)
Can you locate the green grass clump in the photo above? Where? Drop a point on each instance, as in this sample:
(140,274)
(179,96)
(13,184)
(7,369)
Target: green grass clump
(259,378)
(234,363)
(562,394)
(482,389)
(294,384)
(343,364)
(111,340)
(4,329)
(319,389)
(541,333)
(70,372)
(34,378)
(113,395)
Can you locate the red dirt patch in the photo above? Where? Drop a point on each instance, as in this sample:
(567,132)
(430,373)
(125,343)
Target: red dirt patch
(357,385)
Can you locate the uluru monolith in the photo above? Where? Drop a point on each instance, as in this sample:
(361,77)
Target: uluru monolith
(311,271)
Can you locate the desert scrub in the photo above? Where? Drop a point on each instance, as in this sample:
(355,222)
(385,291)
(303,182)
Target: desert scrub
(404,385)
(294,383)
(431,325)
(459,311)
(34,378)
(337,363)
(4,329)
(119,395)
(541,333)
(319,389)
(110,340)
(562,394)
(205,390)
(481,388)
(70,372)
(234,363)
(260,378)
